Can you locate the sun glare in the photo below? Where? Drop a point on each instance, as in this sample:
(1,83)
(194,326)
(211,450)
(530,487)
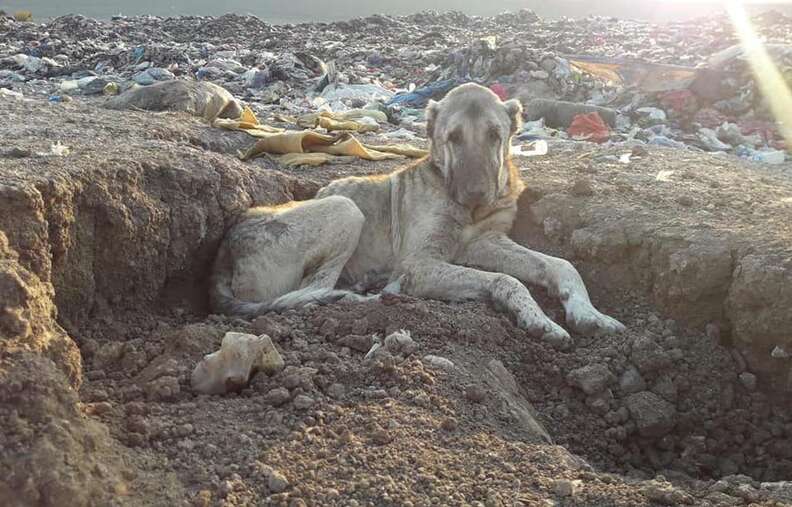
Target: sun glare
(770,81)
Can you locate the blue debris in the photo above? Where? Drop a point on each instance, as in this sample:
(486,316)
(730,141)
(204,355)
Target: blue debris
(421,96)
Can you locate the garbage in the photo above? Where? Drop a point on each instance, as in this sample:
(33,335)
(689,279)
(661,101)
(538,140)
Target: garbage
(59,150)
(589,127)
(560,114)
(650,116)
(769,156)
(421,96)
(4,92)
(111,89)
(300,142)
(535,149)
(709,140)
(634,71)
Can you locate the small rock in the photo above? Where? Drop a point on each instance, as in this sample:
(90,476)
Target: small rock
(100,408)
(163,388)
(475,393)
(648,356)
(278,396)
(665,388)
(666,494)
(400,342)
(303,402)
(631,381)
(277,482)
(592,378)
(336,390)
(748,380)
(438,362)
(566,487)
(203,498)
(582,187)
(779,353)
(108,354)
(360,343)
(449,424)
(380,436)
(653,416)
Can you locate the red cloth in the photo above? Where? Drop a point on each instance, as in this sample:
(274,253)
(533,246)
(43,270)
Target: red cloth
(499,90)
(590,127)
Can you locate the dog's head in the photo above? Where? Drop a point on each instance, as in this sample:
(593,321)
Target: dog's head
(470,131)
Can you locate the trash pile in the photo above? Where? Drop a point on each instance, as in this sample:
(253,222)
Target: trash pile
(685,85)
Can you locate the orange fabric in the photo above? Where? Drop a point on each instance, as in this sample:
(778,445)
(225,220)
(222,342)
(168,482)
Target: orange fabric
(590,127)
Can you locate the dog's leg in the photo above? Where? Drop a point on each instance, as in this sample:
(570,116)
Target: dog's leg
(496,252)
(295,253)
(448,282)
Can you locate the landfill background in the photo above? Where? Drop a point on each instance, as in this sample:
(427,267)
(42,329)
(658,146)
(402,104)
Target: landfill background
(710,102)
(652,161)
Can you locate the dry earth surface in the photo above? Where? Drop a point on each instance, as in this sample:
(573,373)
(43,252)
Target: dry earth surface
(104,256)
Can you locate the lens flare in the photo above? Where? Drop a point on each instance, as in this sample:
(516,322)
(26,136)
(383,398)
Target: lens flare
(770,81)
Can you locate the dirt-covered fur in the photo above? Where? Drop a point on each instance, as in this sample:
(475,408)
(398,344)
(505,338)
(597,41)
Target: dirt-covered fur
(436,229)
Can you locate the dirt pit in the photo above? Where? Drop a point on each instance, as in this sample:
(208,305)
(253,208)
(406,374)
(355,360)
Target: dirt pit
(668,413)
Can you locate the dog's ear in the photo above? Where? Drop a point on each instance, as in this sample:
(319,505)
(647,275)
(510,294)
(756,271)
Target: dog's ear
(514,110)
(432,108)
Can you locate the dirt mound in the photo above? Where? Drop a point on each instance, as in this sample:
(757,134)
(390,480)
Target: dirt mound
(120,239)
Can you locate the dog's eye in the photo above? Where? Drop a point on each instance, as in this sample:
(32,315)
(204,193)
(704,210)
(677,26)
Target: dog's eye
(455,137)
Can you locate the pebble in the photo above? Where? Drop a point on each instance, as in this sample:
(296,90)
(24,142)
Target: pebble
(653,416)
(278,396)
(303,402)
(582,187)
(438,362)
(631,381)
(449,424)
(336,390)
(592,378)
(277,482)
(475,393)
(566,487)
(648,356)
(748,381)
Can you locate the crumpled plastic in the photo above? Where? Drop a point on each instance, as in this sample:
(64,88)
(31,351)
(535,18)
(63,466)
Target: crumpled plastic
(345,144)
(306,147)
(589,126)
(248,123)
(421,96)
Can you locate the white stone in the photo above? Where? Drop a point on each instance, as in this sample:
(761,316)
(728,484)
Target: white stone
(230,368)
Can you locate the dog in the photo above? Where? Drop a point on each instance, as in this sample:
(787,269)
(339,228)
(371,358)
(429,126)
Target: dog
(436,229)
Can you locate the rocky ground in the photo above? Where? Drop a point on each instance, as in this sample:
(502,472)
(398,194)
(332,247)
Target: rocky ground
(105,253)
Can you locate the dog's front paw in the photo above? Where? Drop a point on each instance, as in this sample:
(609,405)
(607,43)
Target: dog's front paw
(584,319)
(548,331)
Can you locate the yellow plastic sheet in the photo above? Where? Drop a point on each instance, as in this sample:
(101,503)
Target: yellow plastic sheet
(312,142)
(307,147)
(347,120)
(247,122)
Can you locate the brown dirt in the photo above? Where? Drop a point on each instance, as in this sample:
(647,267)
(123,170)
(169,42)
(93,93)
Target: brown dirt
(118,236)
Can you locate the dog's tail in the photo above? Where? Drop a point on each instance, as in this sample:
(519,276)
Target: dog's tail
(222,298)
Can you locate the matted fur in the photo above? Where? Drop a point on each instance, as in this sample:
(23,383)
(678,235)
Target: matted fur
(437,228)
